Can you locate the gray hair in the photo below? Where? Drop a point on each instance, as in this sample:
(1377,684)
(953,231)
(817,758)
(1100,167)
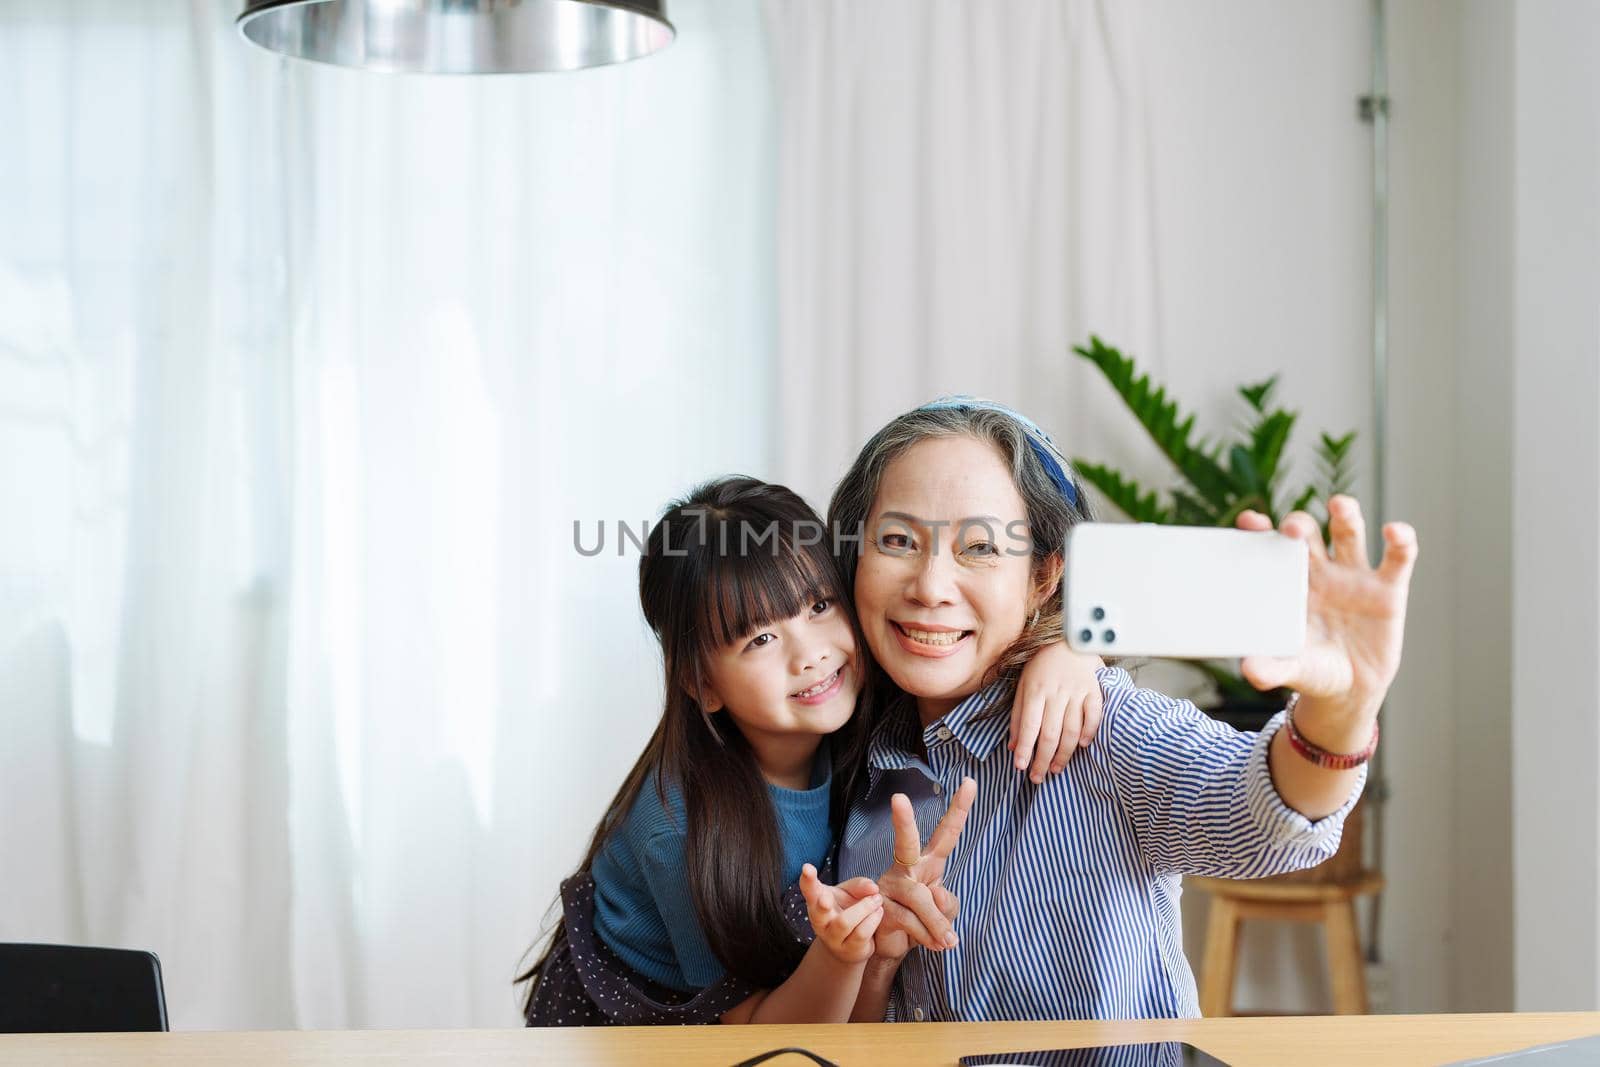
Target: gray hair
(1050,514)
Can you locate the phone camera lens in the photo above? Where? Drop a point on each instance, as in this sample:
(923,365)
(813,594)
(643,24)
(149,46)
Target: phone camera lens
(1098,614)
(1110,636)
(1085,636)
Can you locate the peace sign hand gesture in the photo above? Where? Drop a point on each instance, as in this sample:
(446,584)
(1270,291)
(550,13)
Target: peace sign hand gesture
(917,908)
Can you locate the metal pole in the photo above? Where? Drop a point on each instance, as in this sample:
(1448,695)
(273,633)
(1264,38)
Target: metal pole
(1374,110)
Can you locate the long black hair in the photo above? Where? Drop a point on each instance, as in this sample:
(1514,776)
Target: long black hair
(734,555)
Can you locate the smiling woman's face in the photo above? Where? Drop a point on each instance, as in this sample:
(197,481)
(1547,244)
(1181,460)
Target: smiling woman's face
(944,585)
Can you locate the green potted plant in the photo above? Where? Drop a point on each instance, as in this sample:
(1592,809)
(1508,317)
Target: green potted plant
(1219,480)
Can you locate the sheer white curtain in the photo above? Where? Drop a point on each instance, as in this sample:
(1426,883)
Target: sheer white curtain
(305,376)
(964,193)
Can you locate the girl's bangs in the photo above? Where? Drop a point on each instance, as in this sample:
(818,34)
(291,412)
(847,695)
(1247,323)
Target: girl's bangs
(762,584)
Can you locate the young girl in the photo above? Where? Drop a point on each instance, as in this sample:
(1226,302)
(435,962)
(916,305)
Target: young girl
(686,908)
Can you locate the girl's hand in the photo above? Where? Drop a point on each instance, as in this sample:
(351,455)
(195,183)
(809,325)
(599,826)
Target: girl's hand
(892,942)
(917,907)
(845,917)
(1056,710)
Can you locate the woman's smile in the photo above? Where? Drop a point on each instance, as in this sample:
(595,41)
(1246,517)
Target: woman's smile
(937,607)
(929,639)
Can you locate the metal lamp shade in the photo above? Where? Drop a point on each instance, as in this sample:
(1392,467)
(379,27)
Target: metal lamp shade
(459,36)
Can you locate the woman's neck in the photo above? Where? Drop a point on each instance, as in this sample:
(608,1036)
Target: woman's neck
(931,709)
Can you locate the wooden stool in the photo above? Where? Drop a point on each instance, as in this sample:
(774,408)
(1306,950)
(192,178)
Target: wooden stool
(1331,903)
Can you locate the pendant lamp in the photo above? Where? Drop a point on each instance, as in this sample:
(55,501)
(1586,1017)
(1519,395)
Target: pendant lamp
(459,36)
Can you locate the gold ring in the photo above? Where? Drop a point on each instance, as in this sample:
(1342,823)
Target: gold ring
(908,863)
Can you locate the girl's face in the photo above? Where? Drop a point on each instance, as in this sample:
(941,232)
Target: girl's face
(795,677)
(944,584)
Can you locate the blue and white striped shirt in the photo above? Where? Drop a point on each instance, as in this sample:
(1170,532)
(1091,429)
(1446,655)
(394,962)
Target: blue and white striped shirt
(1069,890)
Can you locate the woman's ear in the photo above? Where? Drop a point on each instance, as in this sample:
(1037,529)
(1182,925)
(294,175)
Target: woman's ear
(1047,579)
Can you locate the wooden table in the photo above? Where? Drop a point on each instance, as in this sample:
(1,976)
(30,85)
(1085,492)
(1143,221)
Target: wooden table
(1301,1042)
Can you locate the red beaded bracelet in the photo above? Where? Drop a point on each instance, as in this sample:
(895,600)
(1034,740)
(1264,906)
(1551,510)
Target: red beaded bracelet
(1321,757)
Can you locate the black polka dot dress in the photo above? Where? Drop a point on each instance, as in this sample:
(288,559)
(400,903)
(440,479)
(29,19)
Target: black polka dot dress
(586,984)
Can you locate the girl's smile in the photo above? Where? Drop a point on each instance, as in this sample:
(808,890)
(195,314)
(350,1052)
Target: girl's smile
(787,684)
(824,690)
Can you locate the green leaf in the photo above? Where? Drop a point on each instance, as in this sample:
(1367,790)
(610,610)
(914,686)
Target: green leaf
(1333,455)
(1257,395)
(1122,493)
(1267,440)
(1269,436)
(1160,418)
(1242,466)
(1338,447)
(1188,510)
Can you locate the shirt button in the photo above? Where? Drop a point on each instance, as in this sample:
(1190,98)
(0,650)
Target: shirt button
(937,789)
(916,1013)
(944,733)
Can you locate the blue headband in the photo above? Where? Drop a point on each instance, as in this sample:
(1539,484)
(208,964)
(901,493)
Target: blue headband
(1055,465)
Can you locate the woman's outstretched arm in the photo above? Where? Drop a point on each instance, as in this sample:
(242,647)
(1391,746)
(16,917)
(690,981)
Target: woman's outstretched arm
(1204,799)
(1355,626)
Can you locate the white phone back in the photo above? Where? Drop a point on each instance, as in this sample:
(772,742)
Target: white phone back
(1185,592)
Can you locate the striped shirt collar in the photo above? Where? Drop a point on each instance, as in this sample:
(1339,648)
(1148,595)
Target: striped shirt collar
(894,746)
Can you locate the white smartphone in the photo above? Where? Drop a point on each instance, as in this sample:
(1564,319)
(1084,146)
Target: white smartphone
(1184,592)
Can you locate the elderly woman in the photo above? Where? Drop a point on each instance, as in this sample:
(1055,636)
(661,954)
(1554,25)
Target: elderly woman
(1069,889)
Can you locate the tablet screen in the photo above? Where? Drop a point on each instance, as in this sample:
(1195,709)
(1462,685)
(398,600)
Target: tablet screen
(1158,1054)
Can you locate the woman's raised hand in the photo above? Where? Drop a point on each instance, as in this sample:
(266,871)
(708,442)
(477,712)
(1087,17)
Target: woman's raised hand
(917,908)
(1355,613)
(844,917)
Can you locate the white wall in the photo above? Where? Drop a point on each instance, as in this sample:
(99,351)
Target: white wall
(1417,935)
(1556,477)
(1481,921)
